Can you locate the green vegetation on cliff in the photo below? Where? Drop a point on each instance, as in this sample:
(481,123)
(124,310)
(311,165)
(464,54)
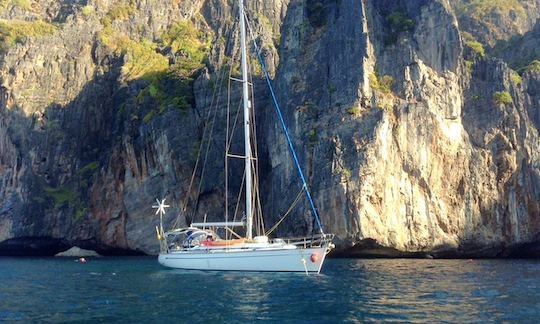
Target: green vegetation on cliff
(64,197)
(80,213)
(71,196)
(473,44)
(168,63)
(515,77)
(140,58)
(397,22)
(383,84)
(526,65)
(477,47)
(120,11)
(312,137)
(400,21)
(173,87)
(61,196)
(534,66)
(16,31)
(191,44)
(167,91)
(183,36)
(481,8)
(87,10)
(497,24)
(23,4)
(502,98)
(382,87)
(354,110)
(90,167)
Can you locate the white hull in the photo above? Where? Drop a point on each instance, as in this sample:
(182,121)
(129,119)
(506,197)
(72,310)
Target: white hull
(282,259)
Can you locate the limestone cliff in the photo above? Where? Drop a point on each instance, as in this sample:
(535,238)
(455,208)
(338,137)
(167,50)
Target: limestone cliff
(414,141)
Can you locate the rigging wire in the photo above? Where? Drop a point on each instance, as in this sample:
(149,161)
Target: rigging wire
(227,147)
(285,129)
(226,159)
(205,129)
(296,200)
(229,137)
(228,141)
(227,151)
(211,135)
(239,195)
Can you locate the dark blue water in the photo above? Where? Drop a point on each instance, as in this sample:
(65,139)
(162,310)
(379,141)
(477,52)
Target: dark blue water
(137,289)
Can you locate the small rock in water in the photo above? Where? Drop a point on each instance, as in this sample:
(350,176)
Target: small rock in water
(78,252)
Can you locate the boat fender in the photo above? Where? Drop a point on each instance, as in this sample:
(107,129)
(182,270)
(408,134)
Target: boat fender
(314,257)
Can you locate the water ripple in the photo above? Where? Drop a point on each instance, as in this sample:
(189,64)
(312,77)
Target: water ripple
(138,289)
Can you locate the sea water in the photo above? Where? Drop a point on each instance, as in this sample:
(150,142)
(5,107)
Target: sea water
(138,289)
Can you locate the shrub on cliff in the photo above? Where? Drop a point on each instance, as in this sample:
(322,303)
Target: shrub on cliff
(397,22)
(23,4)
(383,84)
(141,58)
(481,8)
(169,63)
(534,66)
(516,78)
(473,44)
(118,12)
(16,31)
(354,110)
(190,44)
(61,196)
(88,10)
(477,47)
(502,98)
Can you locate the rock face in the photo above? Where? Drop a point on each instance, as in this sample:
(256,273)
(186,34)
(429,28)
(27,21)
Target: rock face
(412,143)
(495,21)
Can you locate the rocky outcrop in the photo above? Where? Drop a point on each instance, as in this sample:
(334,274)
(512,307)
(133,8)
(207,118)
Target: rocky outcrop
(76,251)
(495,21)
(405,146)
(520,50)
(422,172)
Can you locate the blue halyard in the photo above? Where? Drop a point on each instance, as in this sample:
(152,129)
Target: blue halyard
(289,141)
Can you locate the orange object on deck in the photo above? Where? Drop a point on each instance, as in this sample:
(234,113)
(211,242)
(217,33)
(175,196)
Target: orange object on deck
(222,242)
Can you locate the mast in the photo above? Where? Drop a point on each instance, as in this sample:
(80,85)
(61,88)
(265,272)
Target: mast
(247,108)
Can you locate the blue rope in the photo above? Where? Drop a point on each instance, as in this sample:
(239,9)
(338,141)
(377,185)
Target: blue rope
(289,141)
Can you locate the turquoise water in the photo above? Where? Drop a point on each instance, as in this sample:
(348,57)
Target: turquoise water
(137,289)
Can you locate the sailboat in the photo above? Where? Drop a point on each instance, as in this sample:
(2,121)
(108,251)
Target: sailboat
(198,247)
